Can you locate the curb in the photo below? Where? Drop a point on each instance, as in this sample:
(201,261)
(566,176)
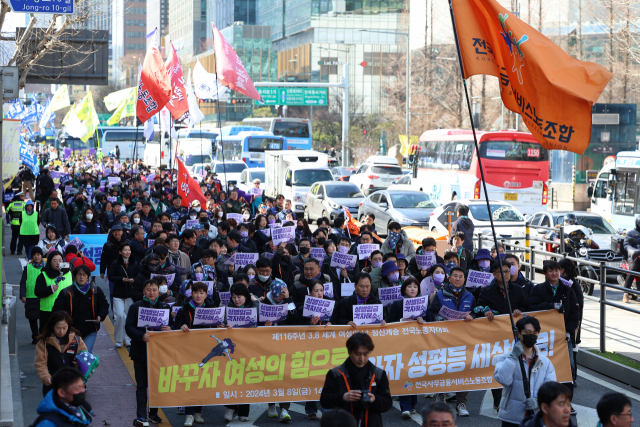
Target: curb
(608,367)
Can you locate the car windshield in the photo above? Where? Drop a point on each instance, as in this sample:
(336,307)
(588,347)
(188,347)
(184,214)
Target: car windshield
(498,212)
(257,175)
(412,200)
(230,167)
(192,159)
(596,224)
(386,170)
(343,191)
(306,178)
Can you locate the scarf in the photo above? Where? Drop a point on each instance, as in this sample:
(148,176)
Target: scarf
(38,266)
(361,301)
(193,304)
(175,258)
(84,289)
(393,239)
(149,301)
(554,288)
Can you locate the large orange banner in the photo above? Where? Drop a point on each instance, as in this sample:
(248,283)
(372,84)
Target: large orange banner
(553,91)
(289,364)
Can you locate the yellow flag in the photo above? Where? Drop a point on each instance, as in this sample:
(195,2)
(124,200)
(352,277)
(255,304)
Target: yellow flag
(86,113)
(66,117)
(60,99)
(83,109)
(127,108)
(114,99)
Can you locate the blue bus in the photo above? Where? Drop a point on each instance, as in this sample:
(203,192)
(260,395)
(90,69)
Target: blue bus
(297,132)
(248,147)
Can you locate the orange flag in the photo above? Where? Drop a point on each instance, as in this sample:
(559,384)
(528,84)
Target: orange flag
(154,87)
(552,91)
(188,187)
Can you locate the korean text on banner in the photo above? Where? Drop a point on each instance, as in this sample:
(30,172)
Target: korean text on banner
(93,244)
(298,358)
(364,250)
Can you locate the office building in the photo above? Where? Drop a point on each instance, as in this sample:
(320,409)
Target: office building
(188,27)
(225,12)
(128,31)
(158,17)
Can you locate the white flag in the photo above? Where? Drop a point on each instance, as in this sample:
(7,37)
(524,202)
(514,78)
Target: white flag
(195,115)
(206,84)
(166,121)
(148,129)
(74,126)
(46,117)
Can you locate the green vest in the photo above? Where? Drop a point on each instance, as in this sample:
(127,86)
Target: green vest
(46,303)
(29,226)
(32,275)
(77,212)
(15,210)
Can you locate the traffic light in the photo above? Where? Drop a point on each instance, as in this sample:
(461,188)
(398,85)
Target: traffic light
(363,63)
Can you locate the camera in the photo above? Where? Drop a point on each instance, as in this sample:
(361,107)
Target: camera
(365,396)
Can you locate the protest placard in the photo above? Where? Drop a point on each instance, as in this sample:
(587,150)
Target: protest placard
(343,260)
(153,318)
(210,287)
(224,298)
(412,308)
(275,225)
(256,191)
(426,260)
(208,316)
(328,290)
(175,308)
(369,314)
(450,314)
(237,217)
(169,277)
(478,279)
(113,180)
(283,234)
(389,295)
(242,317)
(67,189)
(150,177)
(75,242)
(150,242)
(241,259)
(266,232)
(268,255)
(112,199)
(317,253)
(347,289)
(107,171)
(192,222)
(364,250)
(273,313)
(146,225)
(427,286)
(323,308)
(566,282)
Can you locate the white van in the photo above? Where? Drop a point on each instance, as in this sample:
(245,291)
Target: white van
(129,139)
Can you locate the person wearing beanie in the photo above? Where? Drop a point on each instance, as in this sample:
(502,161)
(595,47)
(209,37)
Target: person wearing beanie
(27,295)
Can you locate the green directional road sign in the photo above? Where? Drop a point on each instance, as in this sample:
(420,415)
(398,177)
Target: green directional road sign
(293,96)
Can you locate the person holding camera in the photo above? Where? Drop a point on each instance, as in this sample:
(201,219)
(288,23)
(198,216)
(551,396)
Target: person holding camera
(54,278)
(358,386)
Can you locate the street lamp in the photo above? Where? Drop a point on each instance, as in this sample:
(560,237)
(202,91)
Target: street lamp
(408,90)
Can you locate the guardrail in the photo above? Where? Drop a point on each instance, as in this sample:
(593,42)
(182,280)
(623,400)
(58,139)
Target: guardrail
(510,245)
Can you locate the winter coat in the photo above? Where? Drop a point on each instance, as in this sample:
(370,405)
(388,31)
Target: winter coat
(343,311)
(407,249)
(144,274)
(376,280)
(56,245)
(300,288)
(78,260)
(632,244)
(110,252)
(338,382)
(259,289)
(185,264)
(119,271)
(59,219)
(465,225)
(283,270)
(53,412)
(138,351)
(524,284)
(52,356)
(186,314)
(542,298)
(491,296)
(535,420)
(92,227)
(194,253)
(508,373)
(85,307)
(446,298)
(138,250)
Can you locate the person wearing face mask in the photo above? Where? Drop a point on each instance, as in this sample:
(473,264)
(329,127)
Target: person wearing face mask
(65,404)
(398,242)
(57,347)
(376,273)
(517,278)
(76,209)
(259,286)
(138,353)
(375,261)
(450,261)
(86,303)
(50,283)
(362,295)
(245,237)
(88,224)
(481,262)
(433,281)
(157,206)
(283,267)
(311,273)
(27,295)
(122,273)
(149,265)
(508,372)
(390,275)
(454,296)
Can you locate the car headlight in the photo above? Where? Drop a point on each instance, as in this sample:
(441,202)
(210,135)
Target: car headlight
(406,221)
(583,251)
(333,205)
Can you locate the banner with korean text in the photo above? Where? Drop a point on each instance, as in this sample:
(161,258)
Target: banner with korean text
(289,364)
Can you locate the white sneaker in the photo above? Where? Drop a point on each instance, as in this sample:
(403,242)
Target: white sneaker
(127,343)
(406,415)
(229,414)
(198,418)
(462,410)
(243,419)
(188,421)
(272,412)
(118,345)
(284,416)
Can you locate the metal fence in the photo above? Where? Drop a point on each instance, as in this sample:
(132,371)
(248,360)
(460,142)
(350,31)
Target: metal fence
(529,262)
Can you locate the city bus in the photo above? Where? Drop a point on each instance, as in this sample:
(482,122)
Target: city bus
(623,180)
(248,147)
(516,167)
(297,132)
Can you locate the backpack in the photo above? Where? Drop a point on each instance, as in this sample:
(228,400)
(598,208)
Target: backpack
(56,419)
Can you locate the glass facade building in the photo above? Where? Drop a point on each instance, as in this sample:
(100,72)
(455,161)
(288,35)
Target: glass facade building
(158,17)
(188,27)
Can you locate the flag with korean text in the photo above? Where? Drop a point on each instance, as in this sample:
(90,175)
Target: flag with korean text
(154,86)
(178,102)
(188,187)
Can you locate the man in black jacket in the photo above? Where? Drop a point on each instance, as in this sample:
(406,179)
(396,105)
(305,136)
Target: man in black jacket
(465,225)
(260,284)
(428,245)
(137,244)
(310,271)
(516,276)
(234,243)
(44,187)
(138,353)
(343,312)
(343,385)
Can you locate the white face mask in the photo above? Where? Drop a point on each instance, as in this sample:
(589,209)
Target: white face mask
(246,216)
(89,216)
(163,289)
(192,217)
(220,213)
(136,220)
(197,208)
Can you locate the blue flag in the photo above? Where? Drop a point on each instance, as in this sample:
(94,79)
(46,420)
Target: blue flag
(28,157)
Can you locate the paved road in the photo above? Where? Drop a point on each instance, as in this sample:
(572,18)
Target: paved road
(111,389)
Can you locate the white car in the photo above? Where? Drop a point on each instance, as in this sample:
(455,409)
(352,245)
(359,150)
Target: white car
(195,170)
(371,177)
(507,219)
(248,176)
(408,182)
(229,171)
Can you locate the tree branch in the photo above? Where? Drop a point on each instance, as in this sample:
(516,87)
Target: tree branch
(24,39)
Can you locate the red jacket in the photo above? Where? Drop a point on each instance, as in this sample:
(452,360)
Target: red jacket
(80,260)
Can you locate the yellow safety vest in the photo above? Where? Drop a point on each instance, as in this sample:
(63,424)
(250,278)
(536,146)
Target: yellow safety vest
(15,210)
(29,226)
(46,303)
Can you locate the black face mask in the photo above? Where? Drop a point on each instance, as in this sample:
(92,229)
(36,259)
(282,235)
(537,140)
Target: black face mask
(304,250)
(529,340)
(300,228)
(78,399)
(322,240)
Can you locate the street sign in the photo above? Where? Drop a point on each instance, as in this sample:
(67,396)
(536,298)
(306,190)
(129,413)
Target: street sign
(306,96)
(605,136)
(58,7)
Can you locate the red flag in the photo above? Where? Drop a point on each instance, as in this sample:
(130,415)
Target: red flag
(178,103)
(229,67)
(154,87)
(188,187)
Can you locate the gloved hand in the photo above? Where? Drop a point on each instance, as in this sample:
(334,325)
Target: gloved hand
(558,306)
(531,404)
(516,352)
(59,279)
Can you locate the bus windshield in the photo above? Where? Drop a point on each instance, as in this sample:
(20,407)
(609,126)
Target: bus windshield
(513,150)
(232,151)
(306,178)
(263,144)
(291,129)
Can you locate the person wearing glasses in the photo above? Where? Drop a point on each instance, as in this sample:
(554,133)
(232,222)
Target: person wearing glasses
(438,414)
(614,410)
(516,406)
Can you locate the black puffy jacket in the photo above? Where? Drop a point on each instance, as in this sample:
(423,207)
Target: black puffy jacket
(82,307)
(119,271)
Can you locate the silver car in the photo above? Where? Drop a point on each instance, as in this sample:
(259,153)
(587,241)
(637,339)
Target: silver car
(408,208)
(326,199)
